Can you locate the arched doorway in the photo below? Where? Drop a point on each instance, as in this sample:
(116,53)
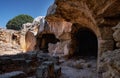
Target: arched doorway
(86,43)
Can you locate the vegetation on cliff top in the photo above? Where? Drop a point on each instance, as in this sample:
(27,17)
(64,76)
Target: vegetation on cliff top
(17,22)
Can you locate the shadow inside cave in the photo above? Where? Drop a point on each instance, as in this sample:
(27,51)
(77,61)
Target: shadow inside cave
(86,43)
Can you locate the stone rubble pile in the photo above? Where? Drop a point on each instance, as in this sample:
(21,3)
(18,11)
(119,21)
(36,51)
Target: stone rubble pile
(79,68)
(116,35)
(31,64)
(109,64)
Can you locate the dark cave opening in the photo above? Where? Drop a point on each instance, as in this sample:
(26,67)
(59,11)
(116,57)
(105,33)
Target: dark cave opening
(45,39)
(14,37)
(86,43)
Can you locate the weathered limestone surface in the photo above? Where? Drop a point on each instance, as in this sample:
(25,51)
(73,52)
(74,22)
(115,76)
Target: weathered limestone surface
(9,36)
(12,42)
(98,16)
(61,48)
(59,28)
(9,41)
(39,21)
(35,26)
(28,33)
(28,42)
(54,32)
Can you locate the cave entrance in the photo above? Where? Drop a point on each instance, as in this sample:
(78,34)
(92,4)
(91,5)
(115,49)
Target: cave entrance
(86,43)
(44,39)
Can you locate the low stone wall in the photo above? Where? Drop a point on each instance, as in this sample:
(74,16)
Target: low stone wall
(30,64)
(9,41)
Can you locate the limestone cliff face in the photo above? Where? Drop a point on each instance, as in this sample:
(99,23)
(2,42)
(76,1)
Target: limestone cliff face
(89,13)
(96,15)
(99,16)
(73,11)
(66,17)
(59,28)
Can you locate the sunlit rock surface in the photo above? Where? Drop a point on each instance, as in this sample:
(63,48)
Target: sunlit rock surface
(28,33)
(9,41)
(98,16)
(28,41)
(59,28)
(39,21)
(27,26)
(21,40)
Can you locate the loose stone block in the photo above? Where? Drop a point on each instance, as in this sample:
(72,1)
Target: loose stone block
(57,71)
(42,72)
(50,66)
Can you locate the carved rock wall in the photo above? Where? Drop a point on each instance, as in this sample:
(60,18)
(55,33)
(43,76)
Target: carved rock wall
(98,16)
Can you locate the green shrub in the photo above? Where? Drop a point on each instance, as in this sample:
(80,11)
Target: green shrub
(17,22)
